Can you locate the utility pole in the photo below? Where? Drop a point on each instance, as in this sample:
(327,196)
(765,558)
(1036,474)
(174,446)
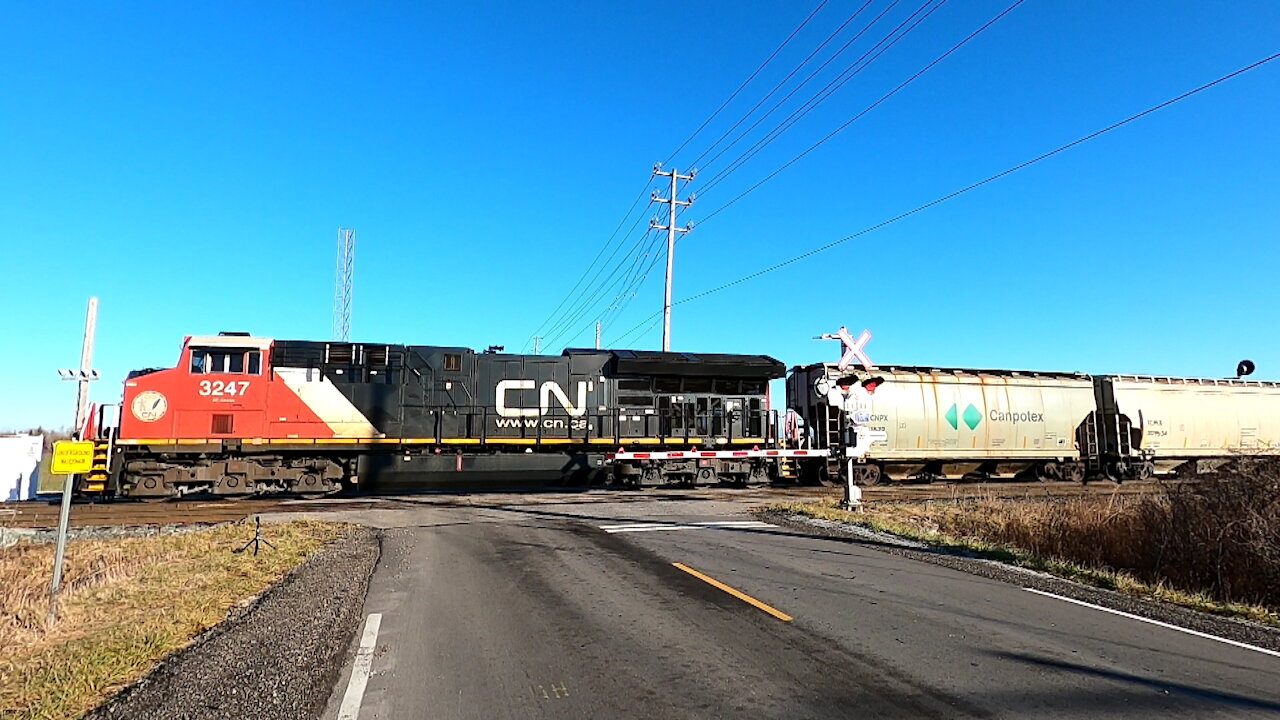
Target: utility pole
(671,229)
(597,334)
(84,376)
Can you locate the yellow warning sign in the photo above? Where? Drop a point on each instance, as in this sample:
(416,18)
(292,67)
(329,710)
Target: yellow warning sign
(71,457)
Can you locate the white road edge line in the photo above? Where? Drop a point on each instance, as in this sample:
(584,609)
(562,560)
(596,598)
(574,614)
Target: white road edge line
(732,523)
(350,709)
(668,528)
(1131,616)
(654,528)
(714,523)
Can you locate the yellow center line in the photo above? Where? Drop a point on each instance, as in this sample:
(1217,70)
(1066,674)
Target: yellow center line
(740,595)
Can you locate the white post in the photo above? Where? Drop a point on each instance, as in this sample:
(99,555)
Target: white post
(671,229)
(82,410)
(671,256)
(852,493)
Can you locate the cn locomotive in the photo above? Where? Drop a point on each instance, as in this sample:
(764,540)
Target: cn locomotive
(240,415)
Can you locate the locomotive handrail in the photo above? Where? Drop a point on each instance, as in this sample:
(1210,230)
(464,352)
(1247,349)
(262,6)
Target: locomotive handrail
(726,426)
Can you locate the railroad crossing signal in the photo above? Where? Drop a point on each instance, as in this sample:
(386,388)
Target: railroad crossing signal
(71,457)
(853,349)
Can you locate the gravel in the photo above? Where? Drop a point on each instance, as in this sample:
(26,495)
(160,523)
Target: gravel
(277,658)
(1233,629)
(12,536)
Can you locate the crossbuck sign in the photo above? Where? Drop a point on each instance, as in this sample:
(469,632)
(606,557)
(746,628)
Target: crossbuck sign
(854,349)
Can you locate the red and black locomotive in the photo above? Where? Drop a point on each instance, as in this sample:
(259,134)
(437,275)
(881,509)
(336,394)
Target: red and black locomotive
(241,415)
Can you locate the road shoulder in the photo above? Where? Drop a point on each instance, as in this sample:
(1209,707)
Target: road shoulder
(277,658)
(1241,631)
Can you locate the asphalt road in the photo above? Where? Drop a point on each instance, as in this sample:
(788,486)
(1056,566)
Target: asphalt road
(537,611)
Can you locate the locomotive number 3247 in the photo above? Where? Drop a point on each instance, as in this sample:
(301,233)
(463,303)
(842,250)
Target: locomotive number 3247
(218,388)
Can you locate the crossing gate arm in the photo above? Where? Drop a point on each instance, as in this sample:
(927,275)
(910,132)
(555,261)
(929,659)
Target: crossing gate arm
(720,454)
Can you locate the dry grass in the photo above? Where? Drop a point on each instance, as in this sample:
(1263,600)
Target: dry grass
(1213,545)
(127,603)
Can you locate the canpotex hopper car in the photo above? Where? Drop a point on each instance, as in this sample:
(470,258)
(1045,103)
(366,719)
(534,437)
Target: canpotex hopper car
(242,415)
(957,423)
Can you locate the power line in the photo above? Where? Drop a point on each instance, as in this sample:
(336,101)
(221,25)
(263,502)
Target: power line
(980,183)
(622,295)
(631,278)
(584,301)
(598,293)
(590,297)
(695,133)
(795,70)
(651,321)
(603,247)
(813,74)
(744,84)
(866,110)
(851,71)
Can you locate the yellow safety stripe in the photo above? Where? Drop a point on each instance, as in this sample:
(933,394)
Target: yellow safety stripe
(426,441)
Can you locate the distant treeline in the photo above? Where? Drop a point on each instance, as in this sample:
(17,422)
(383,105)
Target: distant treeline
(51,435)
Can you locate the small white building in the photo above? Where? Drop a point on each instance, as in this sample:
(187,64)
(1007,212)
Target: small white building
(19,466)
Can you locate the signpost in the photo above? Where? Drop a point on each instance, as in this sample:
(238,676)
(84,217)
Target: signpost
(70,457)
(854,350)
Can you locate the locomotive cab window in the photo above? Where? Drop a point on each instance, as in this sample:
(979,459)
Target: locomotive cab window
(222,362)
(452,362)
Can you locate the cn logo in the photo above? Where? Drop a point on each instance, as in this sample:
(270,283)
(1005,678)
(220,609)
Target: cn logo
(549,388)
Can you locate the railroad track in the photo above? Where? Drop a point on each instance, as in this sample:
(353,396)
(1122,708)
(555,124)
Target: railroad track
(43,515)
(1004,491)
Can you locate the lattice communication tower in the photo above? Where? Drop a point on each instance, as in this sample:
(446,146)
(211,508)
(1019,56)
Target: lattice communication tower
(342,289)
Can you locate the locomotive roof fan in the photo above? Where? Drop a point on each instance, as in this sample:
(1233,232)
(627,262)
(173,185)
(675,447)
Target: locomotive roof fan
(1246,367)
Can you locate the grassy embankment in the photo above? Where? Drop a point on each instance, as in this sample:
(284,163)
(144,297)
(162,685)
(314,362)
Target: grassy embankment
(47,482)
(1212,544)
(127,603)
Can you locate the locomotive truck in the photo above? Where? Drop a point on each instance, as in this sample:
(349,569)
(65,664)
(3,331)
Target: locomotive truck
(240,415)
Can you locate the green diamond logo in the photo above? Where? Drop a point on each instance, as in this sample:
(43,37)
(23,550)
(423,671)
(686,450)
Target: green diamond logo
(952,419)
(971,416)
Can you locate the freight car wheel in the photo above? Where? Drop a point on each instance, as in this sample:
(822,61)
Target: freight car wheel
(1048,472)
(867,474)
(1073,472)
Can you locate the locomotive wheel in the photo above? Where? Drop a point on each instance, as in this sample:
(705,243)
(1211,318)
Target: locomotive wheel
(311,487)
(313,495)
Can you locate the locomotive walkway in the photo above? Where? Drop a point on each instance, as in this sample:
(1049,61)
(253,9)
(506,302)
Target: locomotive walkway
(671,608)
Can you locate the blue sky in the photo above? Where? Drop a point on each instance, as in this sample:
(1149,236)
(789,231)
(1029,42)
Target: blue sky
(190,163)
